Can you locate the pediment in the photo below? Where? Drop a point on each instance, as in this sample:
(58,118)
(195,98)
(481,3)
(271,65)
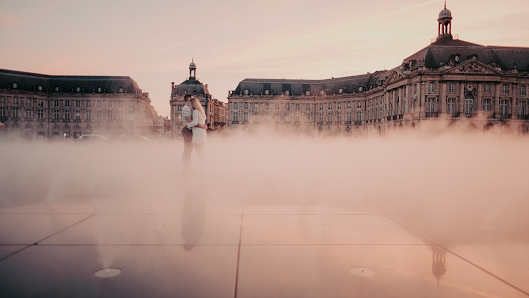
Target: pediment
(473,67)
(394,76)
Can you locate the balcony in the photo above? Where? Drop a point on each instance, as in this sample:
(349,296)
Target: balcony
(432,115)
(235,122)
(505,116)
(468,115)
(388,118)
(358,122)
(523,117)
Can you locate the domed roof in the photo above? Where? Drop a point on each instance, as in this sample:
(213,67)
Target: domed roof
(445,14)
(192,65)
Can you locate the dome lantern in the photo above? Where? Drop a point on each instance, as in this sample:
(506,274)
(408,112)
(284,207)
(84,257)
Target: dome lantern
(192,70)
(444,29)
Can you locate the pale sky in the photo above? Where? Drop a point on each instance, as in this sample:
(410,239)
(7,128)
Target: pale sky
(153,41)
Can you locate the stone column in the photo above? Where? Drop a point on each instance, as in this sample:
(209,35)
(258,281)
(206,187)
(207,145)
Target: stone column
(420,99)
(443,98)
(514,106)
(497,101)
(462,99)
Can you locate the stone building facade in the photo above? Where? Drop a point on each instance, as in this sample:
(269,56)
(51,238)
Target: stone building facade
(45,106)
(216,111)
(453,82)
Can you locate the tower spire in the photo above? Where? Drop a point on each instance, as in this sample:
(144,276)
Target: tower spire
(445,4)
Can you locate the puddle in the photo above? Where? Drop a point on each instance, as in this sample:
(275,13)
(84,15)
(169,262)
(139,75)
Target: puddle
(363,271)
(107,272)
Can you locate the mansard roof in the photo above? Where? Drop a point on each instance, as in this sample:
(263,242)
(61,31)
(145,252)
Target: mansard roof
(30,81)
(348,84)
(445,50)
(191,86)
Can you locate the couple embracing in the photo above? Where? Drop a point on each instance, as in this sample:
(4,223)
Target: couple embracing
(194,131)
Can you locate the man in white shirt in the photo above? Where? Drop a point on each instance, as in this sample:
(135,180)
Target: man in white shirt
(187,133)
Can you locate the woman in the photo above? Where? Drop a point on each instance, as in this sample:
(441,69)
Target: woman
(199,134)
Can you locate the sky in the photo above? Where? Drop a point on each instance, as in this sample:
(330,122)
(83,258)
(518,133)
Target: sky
(154,41)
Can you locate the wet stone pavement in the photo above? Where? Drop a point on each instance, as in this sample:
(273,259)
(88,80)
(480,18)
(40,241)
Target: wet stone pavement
(153,243)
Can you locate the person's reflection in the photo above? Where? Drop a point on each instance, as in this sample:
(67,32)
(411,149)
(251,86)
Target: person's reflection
(193,217)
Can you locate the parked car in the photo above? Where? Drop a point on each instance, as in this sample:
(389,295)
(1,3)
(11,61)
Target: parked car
(91,138)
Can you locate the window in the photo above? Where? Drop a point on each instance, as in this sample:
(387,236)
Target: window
(77,115)
(277,118)
(329,106)
(66,103)
(56,114)
(2,112)
(109,115)
(297,106)
(287,93)
(235,117)
(99,89)
(267,92)
(487,89)
(120,115)
(78,89)
(307,93)
(321,107)
(88,104)
(504,105)
(348,117)
(486,105)
(415,89)
(307,107)
(431,87)
(131,115)
(358,116)
(469,106)
(451,87)
(40,114)
(2,99)
(15,100)
(451,106)
(235,105)
(88,115)
(329,117)
(98,103)
(28,113)
(358,104)
(431,106)
(120,103)
(287,106)
(523,91)
(348,104)
(339,117)
(339,107)
(256,106)
(98,115)
(120,89)
(246,106)
(297,118)
(277,106)
(521,108)
(109,103)
(320,117)
(307,117)
(505,89)
(15,85)
(67,114)
(131,104)
(15,112)
(266,106)
(179,108)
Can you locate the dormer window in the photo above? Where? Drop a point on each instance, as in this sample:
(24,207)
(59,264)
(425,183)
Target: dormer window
(307,93)
(78,89)
(39,87)
(287,93)
(267,92)
(98,89)
(322,92)
(360,89)
(56,88)
(457,58)
(15,85)
(245,91)
(120,89)
(340,90)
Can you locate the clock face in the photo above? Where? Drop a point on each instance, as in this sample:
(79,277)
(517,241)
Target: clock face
(470,87)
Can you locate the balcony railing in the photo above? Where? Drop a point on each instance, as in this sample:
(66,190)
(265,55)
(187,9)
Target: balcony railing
(358,122)
(432,114)
(505,116)
(235,122)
